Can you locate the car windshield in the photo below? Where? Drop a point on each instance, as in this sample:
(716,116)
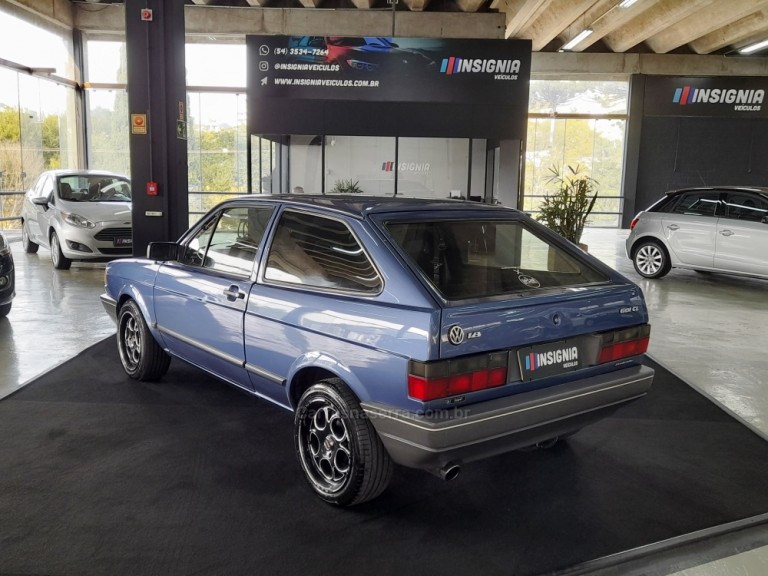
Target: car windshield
(485,258)
(94,188)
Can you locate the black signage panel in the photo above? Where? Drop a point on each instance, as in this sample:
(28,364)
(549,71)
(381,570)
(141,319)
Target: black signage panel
(731,97)
(384,86)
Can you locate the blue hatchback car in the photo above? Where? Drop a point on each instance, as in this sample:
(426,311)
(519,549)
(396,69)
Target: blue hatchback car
(426,333)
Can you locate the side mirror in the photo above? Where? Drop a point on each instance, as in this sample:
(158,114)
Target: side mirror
(163,251)
(764,220)
(41,200)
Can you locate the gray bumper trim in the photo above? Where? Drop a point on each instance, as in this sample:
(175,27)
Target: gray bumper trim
(480,430)
(110,305)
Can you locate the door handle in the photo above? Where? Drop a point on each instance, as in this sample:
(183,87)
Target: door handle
(673,227)
(234,292)
(727,233)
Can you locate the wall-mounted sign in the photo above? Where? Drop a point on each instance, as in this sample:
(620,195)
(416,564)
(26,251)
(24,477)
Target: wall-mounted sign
(734,97)
(388,86)
(138,123)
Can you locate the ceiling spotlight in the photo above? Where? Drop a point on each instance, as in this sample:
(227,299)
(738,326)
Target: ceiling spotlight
(576,40)
(753,47)
(626,3)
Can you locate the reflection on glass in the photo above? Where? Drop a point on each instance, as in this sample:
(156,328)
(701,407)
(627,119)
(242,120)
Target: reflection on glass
(306,164)
(359,165)
(433,167)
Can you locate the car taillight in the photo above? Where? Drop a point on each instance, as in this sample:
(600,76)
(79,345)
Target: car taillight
(633,223)
(445,378)
(624,343)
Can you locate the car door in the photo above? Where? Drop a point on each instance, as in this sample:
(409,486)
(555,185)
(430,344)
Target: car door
(742,235)
(41,214)
(690,227)
(311,261)
(201,298)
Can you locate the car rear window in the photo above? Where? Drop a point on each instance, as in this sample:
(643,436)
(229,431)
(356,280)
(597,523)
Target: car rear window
(483,258)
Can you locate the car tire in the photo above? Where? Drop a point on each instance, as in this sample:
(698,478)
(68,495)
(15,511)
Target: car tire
(140,354)
(60,262)
(27,245)
(337,447)
(5,309)
(651,259)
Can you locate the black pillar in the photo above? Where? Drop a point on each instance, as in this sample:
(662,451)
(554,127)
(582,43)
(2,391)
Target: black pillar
(157,100)
(632,147)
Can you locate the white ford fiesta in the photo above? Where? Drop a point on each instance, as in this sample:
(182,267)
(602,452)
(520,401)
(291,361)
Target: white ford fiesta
(78,215)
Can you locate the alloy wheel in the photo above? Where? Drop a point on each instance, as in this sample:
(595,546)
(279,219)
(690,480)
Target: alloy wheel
(326,445)
(130,340)
(649,259)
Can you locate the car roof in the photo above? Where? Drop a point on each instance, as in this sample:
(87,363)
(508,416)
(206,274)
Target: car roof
(757,189)
(360,206)
(59,172)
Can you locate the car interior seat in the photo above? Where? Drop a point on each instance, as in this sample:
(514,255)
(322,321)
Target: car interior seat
(65,192)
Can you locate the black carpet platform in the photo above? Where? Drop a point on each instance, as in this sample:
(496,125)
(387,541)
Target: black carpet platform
(101,475)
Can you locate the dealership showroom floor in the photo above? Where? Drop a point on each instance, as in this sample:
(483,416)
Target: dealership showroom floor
(707,331)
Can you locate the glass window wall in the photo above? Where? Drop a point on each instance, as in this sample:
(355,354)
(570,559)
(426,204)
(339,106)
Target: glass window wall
(577,124)
(37,119)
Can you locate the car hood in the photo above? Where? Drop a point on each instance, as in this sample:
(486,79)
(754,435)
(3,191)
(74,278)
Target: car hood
(100,211)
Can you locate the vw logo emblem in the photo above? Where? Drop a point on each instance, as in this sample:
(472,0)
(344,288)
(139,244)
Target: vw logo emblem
(456,335)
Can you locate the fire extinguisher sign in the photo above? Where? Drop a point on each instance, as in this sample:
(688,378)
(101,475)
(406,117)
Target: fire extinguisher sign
(138,123)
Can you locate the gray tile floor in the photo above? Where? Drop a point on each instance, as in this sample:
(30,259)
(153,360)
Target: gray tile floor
(707,329)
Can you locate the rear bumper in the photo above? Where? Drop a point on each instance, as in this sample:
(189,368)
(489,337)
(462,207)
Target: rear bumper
(432,441)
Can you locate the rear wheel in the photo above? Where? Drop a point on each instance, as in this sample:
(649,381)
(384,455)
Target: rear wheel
(142,357)
(337,447)
(60,262)
(27,244)
(651,260)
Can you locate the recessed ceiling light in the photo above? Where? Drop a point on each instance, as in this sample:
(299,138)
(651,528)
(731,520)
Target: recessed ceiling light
(626,3)
(576,40)
(753,47)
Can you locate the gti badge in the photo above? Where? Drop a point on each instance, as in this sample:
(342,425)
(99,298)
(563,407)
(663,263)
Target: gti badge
(456,335)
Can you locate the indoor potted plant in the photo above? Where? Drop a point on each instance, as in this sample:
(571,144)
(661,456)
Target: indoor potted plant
(566,210)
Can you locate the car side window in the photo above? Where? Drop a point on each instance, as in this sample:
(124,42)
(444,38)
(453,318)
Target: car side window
(44,188)
(311,250)
(230,242)
(741,206)
(697,204)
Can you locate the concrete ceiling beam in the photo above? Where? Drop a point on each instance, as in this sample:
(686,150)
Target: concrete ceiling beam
(58,12)
(518,13)
(238,22)
(652,21)
(701,23)
(470,5)
(416,5)
(732,34)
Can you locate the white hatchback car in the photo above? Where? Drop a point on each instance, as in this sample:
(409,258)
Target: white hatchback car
(78,215)
(709,229)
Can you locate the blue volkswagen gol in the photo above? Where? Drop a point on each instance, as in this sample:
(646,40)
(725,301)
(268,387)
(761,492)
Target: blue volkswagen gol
(424,333)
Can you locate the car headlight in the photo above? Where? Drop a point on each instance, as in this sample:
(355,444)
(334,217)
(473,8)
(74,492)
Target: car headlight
(77,220)
(5,248)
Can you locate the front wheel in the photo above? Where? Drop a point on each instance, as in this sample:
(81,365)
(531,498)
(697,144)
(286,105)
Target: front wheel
(27,244)
(60,262)
(5,309)
(337,447)
(651,260)
(142,357)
